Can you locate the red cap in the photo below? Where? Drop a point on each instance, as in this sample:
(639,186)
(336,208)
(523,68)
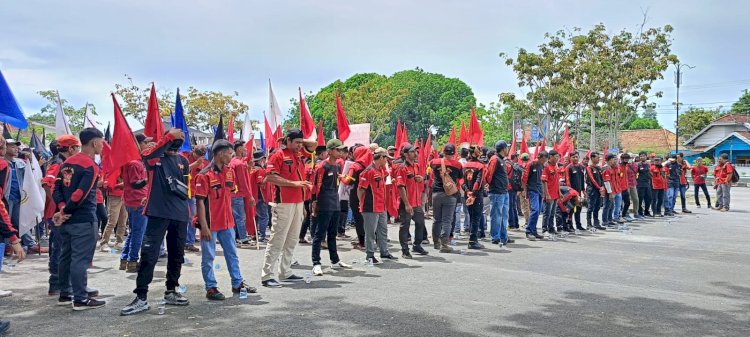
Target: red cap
(68,141)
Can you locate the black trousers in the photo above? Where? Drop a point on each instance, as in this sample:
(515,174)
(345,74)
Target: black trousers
(705,192)
(101,213)
(475,217)
(76,253)
(327,224)
(644,200)
(420,231)
(657,201)
(156,229)
(359,221)
(308,222)
(344,206)
(625,203)
(595,203)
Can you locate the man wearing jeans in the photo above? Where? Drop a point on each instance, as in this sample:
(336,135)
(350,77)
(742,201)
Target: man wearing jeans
(698,172)
(76,200)
(609,176)
(260,191)
(673,183)
(643,183)
(135,183)
(214,187)
(371,193)
(286,170)
(551,190)
(497,179)
(240,193)
(12,192)
(197,162)
(444,205)
(532,190)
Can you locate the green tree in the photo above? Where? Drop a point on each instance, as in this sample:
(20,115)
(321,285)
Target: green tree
(134,100)
(48,112)
(695,119)
(743,104)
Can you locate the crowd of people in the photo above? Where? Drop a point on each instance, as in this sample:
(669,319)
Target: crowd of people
(164,204)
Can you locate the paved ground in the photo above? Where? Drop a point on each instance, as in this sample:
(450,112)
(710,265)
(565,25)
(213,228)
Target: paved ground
(688,277)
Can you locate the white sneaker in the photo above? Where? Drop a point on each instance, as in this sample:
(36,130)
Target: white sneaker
(341,265)
(317,270)
(5,293)
(105,248)
(118,246)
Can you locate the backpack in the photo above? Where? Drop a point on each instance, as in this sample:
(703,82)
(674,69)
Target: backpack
(735,175)
(516,174)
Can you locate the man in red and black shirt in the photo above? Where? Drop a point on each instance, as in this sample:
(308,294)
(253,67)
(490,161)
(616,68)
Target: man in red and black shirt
(261,193)
(362,159)
(75,196)
(371,193)
(612,188)
(244,220)
(473,187)
(135,187)
(659,186)
(551,190)
(444,205)
(698,172)
(723,182)
(197,161)
(409,182)
(595,192)
(575,179)
(214,187)
(285,170)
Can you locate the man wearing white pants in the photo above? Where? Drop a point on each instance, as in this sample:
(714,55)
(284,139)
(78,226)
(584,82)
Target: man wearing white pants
(285,169)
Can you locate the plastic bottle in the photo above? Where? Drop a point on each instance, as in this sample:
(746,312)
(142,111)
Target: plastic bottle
(181,289)
(161,307)
(243,293)
(217,267)
(308,277)
(370,263)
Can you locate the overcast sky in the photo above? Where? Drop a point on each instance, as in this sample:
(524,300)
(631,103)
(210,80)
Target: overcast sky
(82,48)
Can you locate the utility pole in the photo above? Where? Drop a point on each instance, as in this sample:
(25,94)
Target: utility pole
(678,82)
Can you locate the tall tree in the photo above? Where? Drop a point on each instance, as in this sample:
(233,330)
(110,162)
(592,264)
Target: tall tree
(743,104)
(47,114)
(695,119)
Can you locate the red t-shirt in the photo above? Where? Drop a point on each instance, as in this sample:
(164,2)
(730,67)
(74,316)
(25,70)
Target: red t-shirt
(194,171)
(699,174)
(723,173)
(610,175)
(134,173)
(683,172)
(215,187)
(372,180)
(659,177)
(242,178)
(551,175)
(622,178)
(287,165)
(405,175)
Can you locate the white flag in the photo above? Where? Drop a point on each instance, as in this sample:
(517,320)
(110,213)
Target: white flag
(61,122)
(88,119)
(32,198)
(274,116)
(247,128)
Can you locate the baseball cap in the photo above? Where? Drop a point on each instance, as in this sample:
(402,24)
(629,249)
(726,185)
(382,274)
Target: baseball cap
(381,152)
(294,134)
(449,149)
(406,148)
(500,145)
(335,144)
(11,141)
(525,156)
(68,141)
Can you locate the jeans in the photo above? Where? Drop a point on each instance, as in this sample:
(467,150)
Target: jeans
(444,207)
(190,234)
(376,229)
(723,195)
(208,254)
(499,217)
(156,229)
(705,192)
(535,206)
(238,212)
(657,201)
(403,230)
(617,210)
(683,189)
(475,216)
(550,211)
(327,226)
(609,205)
(512,210)
(261,218)
(76,255)
(672,193)
(592,211)
(132,247)
(644,200)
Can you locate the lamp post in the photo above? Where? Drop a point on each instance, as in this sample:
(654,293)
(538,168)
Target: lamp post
(678,81)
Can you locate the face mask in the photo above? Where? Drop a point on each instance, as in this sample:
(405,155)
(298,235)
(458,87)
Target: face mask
(175,145)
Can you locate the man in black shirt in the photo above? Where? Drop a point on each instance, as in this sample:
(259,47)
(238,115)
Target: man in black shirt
(643,185)
(532,190)
(575,177)
(167,211)
(75,196)
(595,192)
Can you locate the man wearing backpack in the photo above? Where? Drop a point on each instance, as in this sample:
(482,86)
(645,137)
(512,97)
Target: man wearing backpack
(724,175)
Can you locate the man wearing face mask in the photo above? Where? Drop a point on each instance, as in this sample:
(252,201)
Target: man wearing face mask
(168,214)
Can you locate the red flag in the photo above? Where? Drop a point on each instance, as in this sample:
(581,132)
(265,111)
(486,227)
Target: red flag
(452,139)
(341,123)
(524,147)
(476,136)
(278,134)
(512,147)
(604,153)
(424,154)
(536,150)
(462,136)
(230,130)
(106,162)
(124,141)
(250,146)
(306,123)
(153,127)
(588,154)
(321,138)
(564,143)
(398,136)
(270,136)
(404,136)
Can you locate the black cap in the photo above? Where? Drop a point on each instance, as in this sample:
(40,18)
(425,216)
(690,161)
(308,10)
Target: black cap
(449,149)
(294,134)
(406,147)
(220,145)
(500,145)
(258,155)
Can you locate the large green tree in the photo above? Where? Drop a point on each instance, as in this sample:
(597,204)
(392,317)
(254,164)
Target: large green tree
(695,119)
(743,104)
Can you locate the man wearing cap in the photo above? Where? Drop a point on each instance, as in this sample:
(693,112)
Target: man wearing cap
(242,219)
(261,193)
(444,205)
(371,193)
(497,179)
(286,170)
(408,181)
(532,190)
(473,187)
(168,215)
(135,187)
(362,159)
(325,206)
(674,170)
(214,187)
(13,191)
(197,161)
(76,200)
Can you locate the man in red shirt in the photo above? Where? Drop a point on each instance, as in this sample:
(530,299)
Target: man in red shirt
(551,190)
(117,217)
(197,162)
(698,172)
(240,193)
(371,193)
(261,193)
(285,170)
(135,189)
(612,188)
(723,182)
(409,182)
(659,185)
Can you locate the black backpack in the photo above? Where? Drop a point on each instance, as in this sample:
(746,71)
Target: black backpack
(735,175)
(516,174)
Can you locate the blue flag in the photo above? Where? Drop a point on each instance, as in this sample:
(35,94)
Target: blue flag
(178,121)
(262,142)
(10,111)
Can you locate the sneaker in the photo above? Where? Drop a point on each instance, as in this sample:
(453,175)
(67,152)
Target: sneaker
(699,206)
(5,293)
(4,327)
(64,299)
(724,210)
(343,236)
(38,250)
(172,297)
(91,292)
(137,306)
(406,255)
(388,257)
(375,261)
(530,237)
(509,241)
(419,250)
(132,267)
(89,303)
(494,242)
(293,278)
(685,210)
(214,294)
(118,246)
(191,248)
(600,227)
(123,264)
(475,245)
(303,242)
(341,265)
(317,270)
(271,283)
(539,237)
(104,248)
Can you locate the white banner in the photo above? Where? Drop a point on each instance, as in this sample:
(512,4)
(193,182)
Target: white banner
(32,198)
(360,134)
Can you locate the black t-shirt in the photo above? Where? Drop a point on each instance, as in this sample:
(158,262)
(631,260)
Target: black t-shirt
(327,187)
(576,174)
(534,180)
(644,175)
(162,203)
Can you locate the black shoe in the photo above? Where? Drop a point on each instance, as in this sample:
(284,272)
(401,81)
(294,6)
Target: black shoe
(293,278)
(406,255)
(569,230)
(89,303)
(510,241)
(580,228)
(539,237)
(600,227)
(271,283)
(620,221)
(4,326)
(649,215)
(64,299)
(91,292)
(388,257)
(685,210)
(172,297)
(475,245)
(553,232)
(419,250)
(137,306)
(530,237)
(494,242)
(659,215)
